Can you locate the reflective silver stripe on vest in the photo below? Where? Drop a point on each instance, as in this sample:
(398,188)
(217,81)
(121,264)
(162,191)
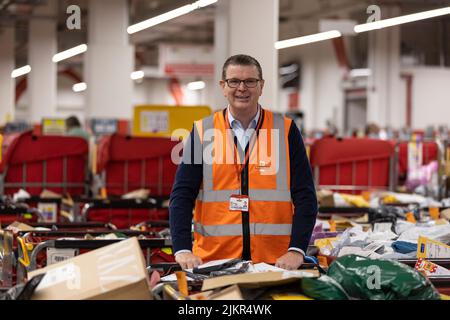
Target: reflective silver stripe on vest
(216,196)
(198,149)
(254,194)
(266,229)
(187,149)
(269,195)
(263,229)
(218,230)
(208,123)
(281,153)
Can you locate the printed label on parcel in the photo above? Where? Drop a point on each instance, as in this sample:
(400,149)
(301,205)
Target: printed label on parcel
(429,249)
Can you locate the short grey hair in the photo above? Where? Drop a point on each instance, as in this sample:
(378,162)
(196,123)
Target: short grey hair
(241,60)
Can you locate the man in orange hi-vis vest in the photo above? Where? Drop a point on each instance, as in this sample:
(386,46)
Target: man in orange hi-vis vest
(246,172)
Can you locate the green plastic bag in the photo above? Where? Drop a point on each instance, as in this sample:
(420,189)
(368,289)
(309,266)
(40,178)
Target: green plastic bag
(364,278)
(323,288)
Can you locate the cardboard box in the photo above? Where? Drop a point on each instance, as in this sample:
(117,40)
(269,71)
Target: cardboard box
(50,194)
(17,226)
(116,271)
(230,293)
(137,194)
(325,198)
(258,279)
(445,214)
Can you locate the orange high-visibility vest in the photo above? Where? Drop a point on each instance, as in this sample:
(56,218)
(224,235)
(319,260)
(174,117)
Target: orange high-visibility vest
(218,232)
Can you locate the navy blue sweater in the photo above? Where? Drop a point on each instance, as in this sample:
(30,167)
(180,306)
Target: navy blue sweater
(189,178)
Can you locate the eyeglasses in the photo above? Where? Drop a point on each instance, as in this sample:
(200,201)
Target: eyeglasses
(248,83)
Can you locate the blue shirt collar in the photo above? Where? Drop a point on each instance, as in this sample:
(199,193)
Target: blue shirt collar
(252,124)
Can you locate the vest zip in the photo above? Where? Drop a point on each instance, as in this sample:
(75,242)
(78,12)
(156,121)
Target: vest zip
(246,254)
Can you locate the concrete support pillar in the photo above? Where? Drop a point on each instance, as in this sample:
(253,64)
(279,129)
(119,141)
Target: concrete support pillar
(109,60)
(42,80)
(7,39)
(385,84)
(248,27)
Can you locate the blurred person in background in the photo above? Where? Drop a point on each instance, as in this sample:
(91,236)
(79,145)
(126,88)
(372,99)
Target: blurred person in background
(73,128)
(372,131)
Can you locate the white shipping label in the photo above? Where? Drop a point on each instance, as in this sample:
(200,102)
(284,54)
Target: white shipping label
(69,273)
(55,255)
(436,251)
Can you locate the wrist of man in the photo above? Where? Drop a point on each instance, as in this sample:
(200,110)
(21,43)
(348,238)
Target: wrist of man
(298,250)
(182,251)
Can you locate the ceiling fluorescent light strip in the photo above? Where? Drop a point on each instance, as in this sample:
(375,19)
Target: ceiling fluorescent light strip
(69,53)
(196,85)
(307,39)
(401,19)
(136,75)
(169,15)
(79,87)
(20,71)
(360,73)
(204,3)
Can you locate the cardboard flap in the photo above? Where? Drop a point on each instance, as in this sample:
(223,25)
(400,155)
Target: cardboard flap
(258,279)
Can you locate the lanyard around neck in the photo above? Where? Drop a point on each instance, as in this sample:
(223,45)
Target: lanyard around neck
(240,167)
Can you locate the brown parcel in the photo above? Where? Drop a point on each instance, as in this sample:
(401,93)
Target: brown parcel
(259,279)
(325,198)
(17,226)
(230,293)
(116,271)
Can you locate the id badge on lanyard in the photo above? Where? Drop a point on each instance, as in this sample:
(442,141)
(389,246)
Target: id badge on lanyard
(239,202)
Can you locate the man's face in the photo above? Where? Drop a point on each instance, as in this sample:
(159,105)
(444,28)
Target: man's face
(242,97)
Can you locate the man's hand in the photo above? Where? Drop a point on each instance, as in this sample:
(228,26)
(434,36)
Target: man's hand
(187,260)
(292,260)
